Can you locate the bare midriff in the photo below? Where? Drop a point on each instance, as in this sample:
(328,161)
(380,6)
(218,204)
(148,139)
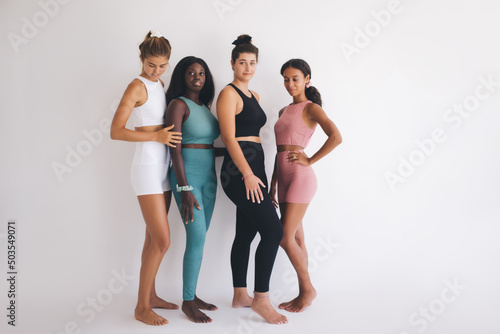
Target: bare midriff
(150,128)
(254,139)
(202,146)
(281,148)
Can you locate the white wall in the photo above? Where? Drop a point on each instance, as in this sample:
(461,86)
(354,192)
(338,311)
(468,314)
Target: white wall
(391,245)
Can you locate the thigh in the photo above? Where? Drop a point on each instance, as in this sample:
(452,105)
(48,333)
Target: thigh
(245,230)
(291,217)
(155,215)
(262,216)
(208,194)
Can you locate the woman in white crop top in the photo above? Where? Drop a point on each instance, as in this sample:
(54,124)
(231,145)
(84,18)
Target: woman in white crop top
(144,100)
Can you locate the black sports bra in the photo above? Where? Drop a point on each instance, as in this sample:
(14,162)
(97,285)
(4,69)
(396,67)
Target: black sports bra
(249,121)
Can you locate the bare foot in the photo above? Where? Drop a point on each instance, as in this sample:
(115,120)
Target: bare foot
(157,302)
(204,305)
(148,317)
(286,304)
(262,306)
(193,313)
(303,300)
(241,299)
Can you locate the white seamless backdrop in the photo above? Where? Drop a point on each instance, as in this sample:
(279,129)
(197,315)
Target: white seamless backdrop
(402,233)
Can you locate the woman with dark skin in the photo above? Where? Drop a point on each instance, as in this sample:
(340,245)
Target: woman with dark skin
(293,175)
(193,179)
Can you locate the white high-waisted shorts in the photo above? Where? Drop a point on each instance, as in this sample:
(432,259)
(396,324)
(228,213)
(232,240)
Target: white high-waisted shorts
(150,168)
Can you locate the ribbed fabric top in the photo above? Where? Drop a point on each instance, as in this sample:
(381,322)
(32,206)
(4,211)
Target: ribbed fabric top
(201,127)
(152,112)
(251,118)
(290,129)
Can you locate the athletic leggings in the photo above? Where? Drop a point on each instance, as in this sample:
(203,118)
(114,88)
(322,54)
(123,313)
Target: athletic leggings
(250,219)
(199,166)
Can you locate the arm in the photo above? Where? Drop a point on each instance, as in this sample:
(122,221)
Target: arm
(176,115)
(135,94)
(227,104)
(317,114)
(274,178)
(274,182)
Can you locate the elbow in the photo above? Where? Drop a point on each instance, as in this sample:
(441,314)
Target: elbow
(338,140)
(113,134)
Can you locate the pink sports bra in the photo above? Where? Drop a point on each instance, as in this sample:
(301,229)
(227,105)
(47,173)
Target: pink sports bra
(290,129)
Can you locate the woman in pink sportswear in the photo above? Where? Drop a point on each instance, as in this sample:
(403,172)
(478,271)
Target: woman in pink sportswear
(293,174)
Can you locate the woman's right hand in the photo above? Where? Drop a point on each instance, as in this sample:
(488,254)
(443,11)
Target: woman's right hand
(252,185)
(188,201)
(272,194)
(167,137)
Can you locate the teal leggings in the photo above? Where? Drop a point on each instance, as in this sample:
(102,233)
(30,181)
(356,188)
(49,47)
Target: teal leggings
(199,166)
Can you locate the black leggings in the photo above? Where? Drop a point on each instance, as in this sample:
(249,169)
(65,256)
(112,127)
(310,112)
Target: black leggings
(250,219)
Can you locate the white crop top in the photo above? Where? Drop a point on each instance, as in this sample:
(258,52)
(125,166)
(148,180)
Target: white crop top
(152,112)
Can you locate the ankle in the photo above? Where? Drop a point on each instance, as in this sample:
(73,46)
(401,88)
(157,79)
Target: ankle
(261,296)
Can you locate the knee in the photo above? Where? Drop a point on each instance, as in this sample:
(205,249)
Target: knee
(275,235)
(160,245)
(195,242)
(299,239)
(287,241)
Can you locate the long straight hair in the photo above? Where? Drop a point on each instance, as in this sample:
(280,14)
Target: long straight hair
(177,87)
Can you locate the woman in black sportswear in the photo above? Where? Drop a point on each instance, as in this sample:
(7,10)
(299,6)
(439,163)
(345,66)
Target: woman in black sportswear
(243,177)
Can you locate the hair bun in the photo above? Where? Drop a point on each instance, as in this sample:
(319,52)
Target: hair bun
(243,39)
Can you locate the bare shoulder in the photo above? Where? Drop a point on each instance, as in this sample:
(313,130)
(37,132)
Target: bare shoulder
(228,93)
(177,104)
(135,91)
(255,94)
(281,111)
(314,110)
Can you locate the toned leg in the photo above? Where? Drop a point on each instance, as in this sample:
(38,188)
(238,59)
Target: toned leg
(195,242)
(194,163)
(208,194)
(240,254)
(155,215)
(294,246)
(157,302)
(261,218)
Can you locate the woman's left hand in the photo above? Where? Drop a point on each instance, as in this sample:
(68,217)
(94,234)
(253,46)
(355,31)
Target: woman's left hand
(298,157)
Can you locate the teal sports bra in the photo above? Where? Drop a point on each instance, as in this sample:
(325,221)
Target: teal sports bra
(201,127)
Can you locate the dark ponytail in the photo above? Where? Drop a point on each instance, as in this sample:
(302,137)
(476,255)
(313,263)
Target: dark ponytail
(312,93)
(244,45)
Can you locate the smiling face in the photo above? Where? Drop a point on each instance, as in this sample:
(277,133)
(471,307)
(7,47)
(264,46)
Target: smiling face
(295,82)
(153,67)
(244,67)
(194,77)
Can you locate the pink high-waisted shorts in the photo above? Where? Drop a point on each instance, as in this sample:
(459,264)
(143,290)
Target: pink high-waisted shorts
(296,183)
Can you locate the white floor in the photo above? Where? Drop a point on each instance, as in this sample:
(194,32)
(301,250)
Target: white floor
(395,304)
